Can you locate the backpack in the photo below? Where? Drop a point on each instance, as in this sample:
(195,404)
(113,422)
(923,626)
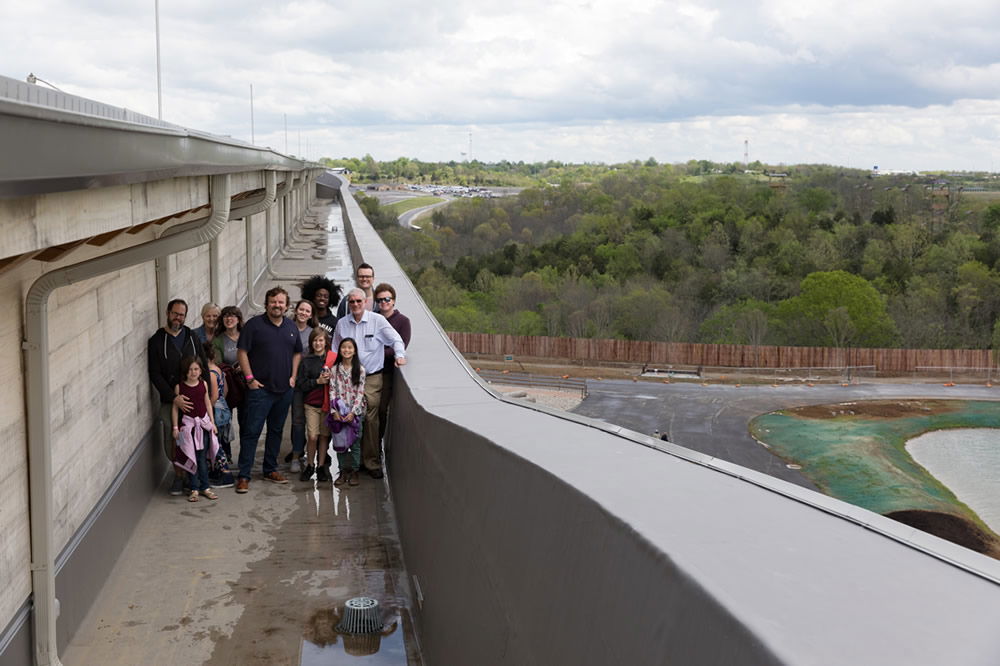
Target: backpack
(237,384)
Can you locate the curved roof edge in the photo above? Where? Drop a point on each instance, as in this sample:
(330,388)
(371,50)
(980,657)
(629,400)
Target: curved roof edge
(64,142)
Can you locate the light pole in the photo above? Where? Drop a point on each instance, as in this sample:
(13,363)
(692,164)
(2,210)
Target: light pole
(159,87)
(34,80)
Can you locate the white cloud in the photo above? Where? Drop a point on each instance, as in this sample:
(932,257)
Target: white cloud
(849,82)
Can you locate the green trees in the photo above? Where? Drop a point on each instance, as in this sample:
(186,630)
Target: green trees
(837,308)
(646,251)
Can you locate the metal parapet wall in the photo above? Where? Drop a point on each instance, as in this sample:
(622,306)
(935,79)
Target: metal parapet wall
(534,538)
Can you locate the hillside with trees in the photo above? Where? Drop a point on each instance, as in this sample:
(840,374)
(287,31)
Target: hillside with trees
(702,252)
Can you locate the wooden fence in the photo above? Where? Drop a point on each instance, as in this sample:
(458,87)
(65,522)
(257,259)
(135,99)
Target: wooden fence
(662,354)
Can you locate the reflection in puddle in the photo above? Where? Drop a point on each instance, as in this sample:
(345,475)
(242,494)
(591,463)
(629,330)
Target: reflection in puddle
(323,644)
(341,503)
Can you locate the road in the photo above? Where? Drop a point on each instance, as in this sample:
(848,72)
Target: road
(389,197)
(713,419)
(406,219)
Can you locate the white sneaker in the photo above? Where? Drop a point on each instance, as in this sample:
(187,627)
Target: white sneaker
(296,466)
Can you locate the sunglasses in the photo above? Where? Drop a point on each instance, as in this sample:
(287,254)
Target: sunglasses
(387,299)
(355,300)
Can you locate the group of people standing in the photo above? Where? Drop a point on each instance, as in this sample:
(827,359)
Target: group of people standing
(332,371)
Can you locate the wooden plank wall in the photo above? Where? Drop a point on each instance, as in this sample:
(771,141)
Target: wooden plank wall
(886,361)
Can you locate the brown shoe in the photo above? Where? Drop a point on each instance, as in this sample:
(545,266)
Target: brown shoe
(342,478)
(354,479)
(276,477)
(242,485)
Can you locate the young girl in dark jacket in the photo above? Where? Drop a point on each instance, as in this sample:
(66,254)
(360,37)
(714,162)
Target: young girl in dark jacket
(312,382)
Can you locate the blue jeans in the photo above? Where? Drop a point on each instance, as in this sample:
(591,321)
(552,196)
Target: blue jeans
(199,480)
(351,458)
(263,406)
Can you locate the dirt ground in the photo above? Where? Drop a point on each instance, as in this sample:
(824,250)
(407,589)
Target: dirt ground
(889,409)
(556,368)
(613,370)
(951,527)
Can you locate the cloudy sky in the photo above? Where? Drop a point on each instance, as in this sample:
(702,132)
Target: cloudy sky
(904,85)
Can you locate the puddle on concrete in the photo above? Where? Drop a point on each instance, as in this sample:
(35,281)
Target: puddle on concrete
(333,545)
(324,645)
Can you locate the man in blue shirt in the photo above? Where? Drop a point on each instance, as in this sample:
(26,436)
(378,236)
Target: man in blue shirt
(269,350)
(372,333)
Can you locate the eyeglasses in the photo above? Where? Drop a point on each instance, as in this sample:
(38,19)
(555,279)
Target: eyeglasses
(355,300)
(365,277)
(387,299)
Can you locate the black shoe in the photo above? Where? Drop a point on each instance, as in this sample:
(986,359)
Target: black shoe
(375,473)
(224,480)
(323,474)
(177,487)
(307,473)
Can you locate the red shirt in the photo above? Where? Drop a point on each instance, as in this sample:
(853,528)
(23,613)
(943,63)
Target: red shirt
(196,394)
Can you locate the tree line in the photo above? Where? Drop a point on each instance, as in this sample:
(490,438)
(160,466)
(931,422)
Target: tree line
(703,252)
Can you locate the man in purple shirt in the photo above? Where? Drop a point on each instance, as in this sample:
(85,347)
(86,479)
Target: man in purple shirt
(385,304)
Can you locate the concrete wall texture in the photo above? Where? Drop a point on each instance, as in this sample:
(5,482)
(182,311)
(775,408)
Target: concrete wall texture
(100,396)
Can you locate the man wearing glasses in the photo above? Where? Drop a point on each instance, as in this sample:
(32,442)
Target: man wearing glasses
(164,351)
(364,278)
(385,304)
(372,333)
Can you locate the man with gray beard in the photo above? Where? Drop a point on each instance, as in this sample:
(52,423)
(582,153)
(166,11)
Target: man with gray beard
(372,334)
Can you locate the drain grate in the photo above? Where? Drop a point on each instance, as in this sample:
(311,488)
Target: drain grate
(361,616)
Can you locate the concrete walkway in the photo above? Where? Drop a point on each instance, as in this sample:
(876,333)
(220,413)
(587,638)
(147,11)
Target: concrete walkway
(259,578)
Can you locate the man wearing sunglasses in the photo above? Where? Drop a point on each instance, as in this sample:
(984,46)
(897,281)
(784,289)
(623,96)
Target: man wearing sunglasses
(385,304)
(371,333)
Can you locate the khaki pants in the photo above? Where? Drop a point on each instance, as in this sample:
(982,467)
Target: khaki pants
(371,453)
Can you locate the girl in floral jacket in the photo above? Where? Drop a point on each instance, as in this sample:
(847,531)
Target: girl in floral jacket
(347,410)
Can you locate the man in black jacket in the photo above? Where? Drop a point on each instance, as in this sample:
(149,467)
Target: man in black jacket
(164,352)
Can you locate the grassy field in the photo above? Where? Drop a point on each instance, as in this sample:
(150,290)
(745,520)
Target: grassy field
(400,207)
